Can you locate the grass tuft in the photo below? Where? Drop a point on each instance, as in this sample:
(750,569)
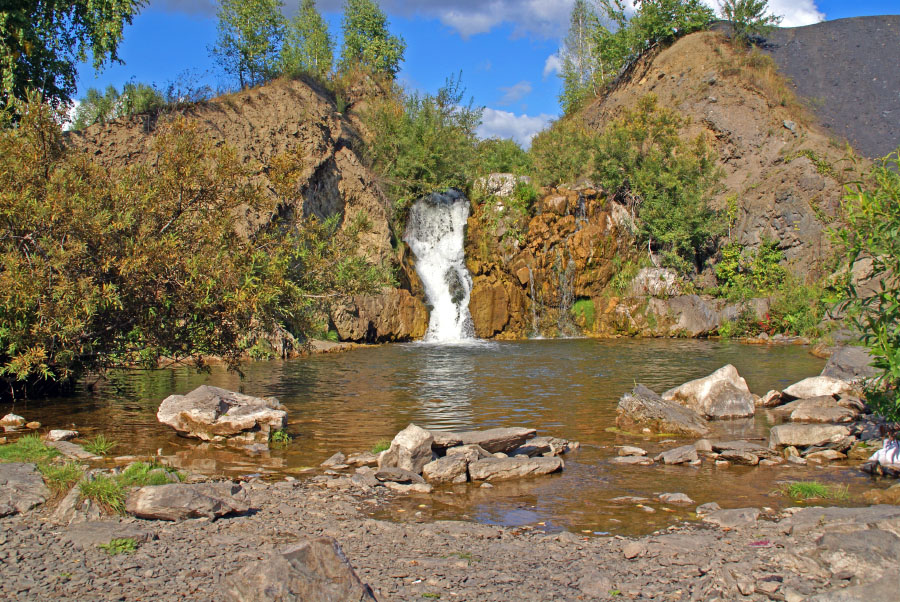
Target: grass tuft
(100,445)
(125,545)
(106,491)
(807,490)
(142,474)
(381,446)
(281,437)
(60,478)
(29,448)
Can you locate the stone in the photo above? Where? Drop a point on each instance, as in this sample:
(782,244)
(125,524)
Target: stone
(796,460)
(643,408)
(655,282)
(733,519)
(628,450)
(721,395)
(707,508)
(315,569)
(678,455)
(61,435)
(542,446)
(362,459)
(633,549)
(629,460)
(393,315)
(21,488)
(826,455)
(817,386)
(214,414)
(850,363)
(449,469)
(503,440)
(392,474)
(770,400)
(501,185)
(739,457)
(805,435)
(33,425)
(822,409)
(12,420)
(891,495)
(885,588)
(497,469)
(410,450)
(182,501)
(703,446)
(469,452)
(72,450)
(337,459)
(89,535)
(747,447)
(408,487)
(675,498)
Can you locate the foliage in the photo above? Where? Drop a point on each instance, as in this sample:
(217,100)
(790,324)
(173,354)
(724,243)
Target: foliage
(654,22)
(60,477)
(502,155)
(102,107)
(125,545)
(423,143)
(666,181)
(307,46)
(872,210)
(280,436)
(100,445)
(749,18)
(381,446)
(106,491)
(563,152)
(579,64)
(367,40)
(142,474)
(42,42)
(744,274)
(805,490)
(584,312)
(28,448)
(249,39)
(107,268)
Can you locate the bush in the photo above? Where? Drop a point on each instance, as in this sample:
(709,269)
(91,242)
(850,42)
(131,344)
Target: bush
(563,152)
(744,274)
(97,107)
(501,155)
(644,164)
(872,209)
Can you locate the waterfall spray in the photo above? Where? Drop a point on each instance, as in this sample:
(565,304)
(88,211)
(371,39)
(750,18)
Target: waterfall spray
(436,234)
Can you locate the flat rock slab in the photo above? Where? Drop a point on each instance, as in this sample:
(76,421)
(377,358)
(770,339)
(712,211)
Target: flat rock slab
(503,440)
(61,435)
(834,518)
(632,460)
(886,588)
(214,414)
(92,534)
(850,363)
(733,519)
(392,474)
(500,469)
(678,455)
(643,408)
(21,488)
(72,450)
(805,435)
(182,501)
(315,569)
(817,386)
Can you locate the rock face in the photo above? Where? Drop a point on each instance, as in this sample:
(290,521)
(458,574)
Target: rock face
(410,450)
(655,282)
(642,408)
(449,469)
(500,185)
(214,414)
(394,315)
(818,386)
(500,469)
(181,501)
(850,363)
(495,440)
(21,488)
(804,435)
(315,569)
(721,395)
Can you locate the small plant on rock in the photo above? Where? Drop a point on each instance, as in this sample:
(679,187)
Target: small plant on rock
(125,545)
(381,446)
(60,478)
(281,437)
(806,490)
(100,445)
(106,491)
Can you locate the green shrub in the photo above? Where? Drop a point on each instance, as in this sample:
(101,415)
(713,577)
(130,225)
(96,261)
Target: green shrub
(125,545)
(523,198)
(143,474)
(281,437)
(563,152)
(100,445)
(744,274)
(501,155)
(28,448)
(60,477)
(805,490)
(584,313)
(798,308)
(107,491)
(97,107)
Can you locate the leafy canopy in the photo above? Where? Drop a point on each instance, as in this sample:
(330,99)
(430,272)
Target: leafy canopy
(249,39)
(367,41)
(872,210)
(42,41)
(307,46)
(102,107)
(581,71)
(750,18)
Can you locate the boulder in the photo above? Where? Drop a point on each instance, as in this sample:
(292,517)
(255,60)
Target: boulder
(805,435)
(362,459)
(628,460)
(21,488)
(410,450)
(181,501)
(502,440)
(61,435)
(449,469)
(850,363)
(770,400)
(393,315)
(685,315)
(315,569)
(817,386)
(721,395)
(736,456)
(499,469)
(628,450)
(214,414)
(643,408)
(826,455)
(678,455)
(12,420)
(675,498)
(392,474)
(501,184)
(541,446)
(338,459)
(469,452)
(745,447)
(733,519)
(823,413)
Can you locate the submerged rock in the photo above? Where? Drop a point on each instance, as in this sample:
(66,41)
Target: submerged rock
(392,474)
(499,469)
(733,519)
(316,569)
(410,450)
(643,408)
(721,395)
(503,440)
(678,455)
(181,501)
(21,488)
(214,414)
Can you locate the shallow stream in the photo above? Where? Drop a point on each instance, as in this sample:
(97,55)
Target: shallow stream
(568,388)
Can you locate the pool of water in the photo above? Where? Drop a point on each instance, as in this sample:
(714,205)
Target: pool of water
(567,388)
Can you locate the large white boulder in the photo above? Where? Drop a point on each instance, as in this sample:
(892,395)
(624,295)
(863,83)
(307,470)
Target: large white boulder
(410,450)
(721,395)
(818,386)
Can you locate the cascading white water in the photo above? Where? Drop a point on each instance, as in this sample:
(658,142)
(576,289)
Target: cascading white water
(436,234)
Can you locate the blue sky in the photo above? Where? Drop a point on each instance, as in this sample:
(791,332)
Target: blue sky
(506,49)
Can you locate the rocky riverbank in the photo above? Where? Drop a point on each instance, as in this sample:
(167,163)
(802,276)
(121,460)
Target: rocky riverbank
(815,554)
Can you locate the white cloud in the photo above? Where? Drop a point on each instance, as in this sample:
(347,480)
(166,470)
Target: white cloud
(795,12)
(70,115)
(552,65)
(514,93)
(503,124)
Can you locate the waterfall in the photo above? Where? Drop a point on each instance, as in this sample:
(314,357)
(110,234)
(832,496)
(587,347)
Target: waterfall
(436,234)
